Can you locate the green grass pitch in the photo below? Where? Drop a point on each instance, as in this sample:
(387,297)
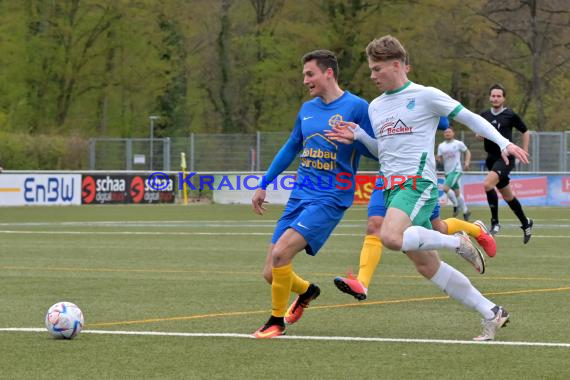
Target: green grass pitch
(197,269)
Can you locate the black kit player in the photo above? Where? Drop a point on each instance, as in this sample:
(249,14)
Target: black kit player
(504,120)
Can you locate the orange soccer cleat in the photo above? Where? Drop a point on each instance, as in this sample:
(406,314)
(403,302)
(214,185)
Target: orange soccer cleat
(272,328)
(295,311)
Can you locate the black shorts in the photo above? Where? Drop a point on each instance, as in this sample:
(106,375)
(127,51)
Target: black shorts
(503,170)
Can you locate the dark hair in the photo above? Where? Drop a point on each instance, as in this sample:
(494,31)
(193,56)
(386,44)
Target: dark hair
(498,86)
(325,59)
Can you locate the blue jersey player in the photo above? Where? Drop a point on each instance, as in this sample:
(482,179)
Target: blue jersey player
(318,201)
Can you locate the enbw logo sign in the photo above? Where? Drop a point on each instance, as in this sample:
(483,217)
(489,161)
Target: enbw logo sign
(51,189)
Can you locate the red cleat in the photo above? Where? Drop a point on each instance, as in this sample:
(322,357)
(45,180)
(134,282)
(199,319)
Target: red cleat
(295,311)
(486,240)
(351,286)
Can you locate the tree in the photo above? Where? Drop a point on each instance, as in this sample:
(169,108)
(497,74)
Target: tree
(537,35)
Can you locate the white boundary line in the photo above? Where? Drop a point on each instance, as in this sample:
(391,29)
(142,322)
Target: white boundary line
(164,233)
(301,337)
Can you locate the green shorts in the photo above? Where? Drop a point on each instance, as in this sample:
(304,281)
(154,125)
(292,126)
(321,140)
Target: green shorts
(417,203)
(452,180)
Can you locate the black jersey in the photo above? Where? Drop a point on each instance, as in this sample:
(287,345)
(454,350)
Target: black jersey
(504,122)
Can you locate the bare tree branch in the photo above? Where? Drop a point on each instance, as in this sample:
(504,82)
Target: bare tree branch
(482,57)
(503,28)
(550,71)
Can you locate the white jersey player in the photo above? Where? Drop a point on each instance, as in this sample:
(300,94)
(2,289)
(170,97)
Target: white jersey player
(405,119)
(449,152)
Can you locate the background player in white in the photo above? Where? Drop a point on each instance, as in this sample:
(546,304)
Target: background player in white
(405,119)
(449,153)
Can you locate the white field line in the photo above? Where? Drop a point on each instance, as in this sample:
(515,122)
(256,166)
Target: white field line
(301,337)
(164,233)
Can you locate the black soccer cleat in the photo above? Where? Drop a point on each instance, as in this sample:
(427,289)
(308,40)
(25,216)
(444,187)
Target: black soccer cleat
(495,228)
(527,230)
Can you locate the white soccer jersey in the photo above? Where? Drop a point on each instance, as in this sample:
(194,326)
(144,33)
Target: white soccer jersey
(451,153)
(404,122)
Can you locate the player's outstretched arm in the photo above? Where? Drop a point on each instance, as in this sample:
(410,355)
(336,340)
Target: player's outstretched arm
(483,128)
(282,160)
(514,150)
(347,132)
(342,132)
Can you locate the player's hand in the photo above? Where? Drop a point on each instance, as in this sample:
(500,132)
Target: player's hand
(342,132)
(258,200)
(466,166)
(480,138)
(514,150)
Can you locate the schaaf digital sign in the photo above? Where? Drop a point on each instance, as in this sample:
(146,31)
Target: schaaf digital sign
(114,189)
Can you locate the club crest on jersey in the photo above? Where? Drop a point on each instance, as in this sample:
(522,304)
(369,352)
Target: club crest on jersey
(334,120)
(398,128)
(411,104)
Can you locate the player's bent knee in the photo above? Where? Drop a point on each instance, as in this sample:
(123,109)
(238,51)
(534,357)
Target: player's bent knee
(373,226)
(488,185)
(439,225)
(391,241)
(490,182)
(280,257)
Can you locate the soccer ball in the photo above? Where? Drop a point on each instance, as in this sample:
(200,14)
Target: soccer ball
(64,320)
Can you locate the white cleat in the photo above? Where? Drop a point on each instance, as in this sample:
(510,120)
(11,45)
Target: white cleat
(490,326)
(470,252)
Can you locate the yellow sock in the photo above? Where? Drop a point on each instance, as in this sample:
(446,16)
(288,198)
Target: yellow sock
(455,225)
(281,289)
(298,285)
(369,258)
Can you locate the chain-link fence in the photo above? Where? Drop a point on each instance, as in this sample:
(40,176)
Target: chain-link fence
(549,151)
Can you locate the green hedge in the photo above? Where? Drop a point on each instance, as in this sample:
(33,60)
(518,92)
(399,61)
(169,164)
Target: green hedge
(20,151)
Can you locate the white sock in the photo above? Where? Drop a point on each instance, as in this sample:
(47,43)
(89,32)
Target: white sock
(461,203)
(452,197)
(458,287)
(418,238)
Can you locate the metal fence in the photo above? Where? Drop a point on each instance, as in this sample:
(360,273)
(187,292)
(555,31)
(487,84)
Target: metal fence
(549,152)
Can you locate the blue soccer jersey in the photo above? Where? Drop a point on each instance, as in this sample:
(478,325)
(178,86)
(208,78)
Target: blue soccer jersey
(327,168)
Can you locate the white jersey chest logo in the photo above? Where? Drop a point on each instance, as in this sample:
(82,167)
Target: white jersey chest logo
(390,128)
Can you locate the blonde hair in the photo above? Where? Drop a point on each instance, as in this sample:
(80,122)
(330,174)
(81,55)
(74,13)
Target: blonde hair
(386,48)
